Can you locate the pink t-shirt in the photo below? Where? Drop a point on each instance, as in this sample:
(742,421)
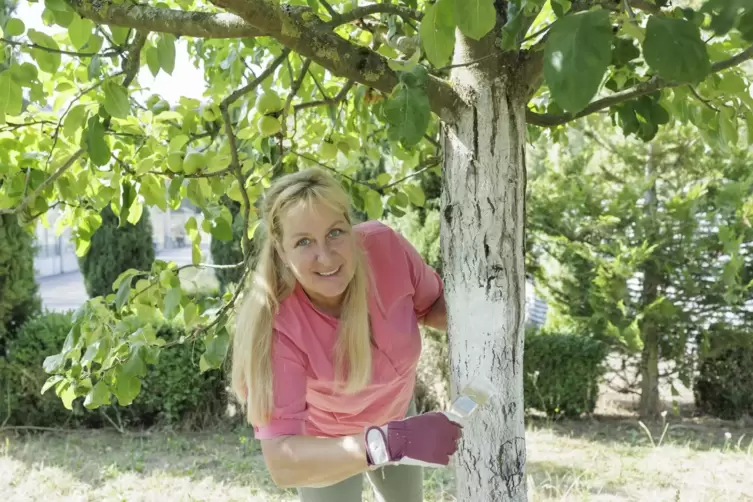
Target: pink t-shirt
(305,402)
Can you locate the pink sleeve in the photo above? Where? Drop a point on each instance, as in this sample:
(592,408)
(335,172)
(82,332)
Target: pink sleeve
(289,383)
(427,283)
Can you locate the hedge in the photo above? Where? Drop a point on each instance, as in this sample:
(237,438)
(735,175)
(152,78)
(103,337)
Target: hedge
(562,373)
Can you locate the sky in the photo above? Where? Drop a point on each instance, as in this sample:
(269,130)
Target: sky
(186,79)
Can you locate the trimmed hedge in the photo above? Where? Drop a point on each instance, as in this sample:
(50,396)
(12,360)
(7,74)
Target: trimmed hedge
(114,250)
(19,298)
(724,382)
(174,392)
(562,373)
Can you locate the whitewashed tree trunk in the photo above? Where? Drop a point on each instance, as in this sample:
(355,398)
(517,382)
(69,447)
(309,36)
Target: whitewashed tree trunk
(482,237)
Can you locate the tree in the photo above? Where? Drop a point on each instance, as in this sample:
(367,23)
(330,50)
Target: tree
(456,80)
(648,254)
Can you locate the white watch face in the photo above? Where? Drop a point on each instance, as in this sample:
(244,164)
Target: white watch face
(377,447)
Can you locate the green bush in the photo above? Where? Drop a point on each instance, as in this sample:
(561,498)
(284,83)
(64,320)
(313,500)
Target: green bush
(422,230)
(724,383)
(562,373)
(114,250)
(173,392)
(23,376)
(19,298)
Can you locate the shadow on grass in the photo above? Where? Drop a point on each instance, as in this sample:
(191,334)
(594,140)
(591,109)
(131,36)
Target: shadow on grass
(95,457)
(700,434)
(212,460)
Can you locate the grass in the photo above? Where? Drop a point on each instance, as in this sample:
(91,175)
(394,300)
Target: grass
(596,460)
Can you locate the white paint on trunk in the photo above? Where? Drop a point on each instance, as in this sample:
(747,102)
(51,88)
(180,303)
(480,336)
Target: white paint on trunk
(482,230)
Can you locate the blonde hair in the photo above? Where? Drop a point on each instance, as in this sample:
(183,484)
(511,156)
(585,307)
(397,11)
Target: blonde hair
(271,282)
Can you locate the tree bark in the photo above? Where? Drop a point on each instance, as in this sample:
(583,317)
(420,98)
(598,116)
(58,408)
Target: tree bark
(649,403)
(482,232)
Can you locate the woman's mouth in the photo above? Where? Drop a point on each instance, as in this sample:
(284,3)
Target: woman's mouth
(329,273)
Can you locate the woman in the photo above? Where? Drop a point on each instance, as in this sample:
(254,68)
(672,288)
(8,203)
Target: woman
(326,349)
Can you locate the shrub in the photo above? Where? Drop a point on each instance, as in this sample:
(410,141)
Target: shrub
(23,376)
(114,250)
(173,391)
(724,383)
(562,373)
(19,298)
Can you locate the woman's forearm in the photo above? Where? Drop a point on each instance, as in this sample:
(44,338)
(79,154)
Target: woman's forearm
(437,316)
(306,461)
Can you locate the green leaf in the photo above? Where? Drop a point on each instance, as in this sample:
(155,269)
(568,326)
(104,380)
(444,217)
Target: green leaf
(126,389)
(11,96)
(53,363)
(166,53)
(75,119)
(15,27)
(415,195)
(48,62)
(152,60)
(674,49)
(475,18)
(576,57)
(96,146)
(98,396)
(407,111)
(53,380)
(373,205)
(437,32)
(172,302)
(216,351)
(116,100)
(123,291)
(512,28)
(80,31)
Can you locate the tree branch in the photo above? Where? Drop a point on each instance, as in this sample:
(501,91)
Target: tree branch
(28,45)
(652,85)
(379,8)
(57,174)
(330,101)
(177,22)
(297,29)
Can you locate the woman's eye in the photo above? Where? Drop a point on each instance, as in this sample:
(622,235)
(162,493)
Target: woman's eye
(302,242)
(336,232)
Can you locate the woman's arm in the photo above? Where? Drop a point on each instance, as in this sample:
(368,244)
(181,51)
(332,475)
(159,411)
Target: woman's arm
(306,461)
(437,316)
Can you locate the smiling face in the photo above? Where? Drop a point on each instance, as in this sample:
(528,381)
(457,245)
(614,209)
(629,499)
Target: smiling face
(318,245)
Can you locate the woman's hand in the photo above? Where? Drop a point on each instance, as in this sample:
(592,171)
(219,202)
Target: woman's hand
(429,440)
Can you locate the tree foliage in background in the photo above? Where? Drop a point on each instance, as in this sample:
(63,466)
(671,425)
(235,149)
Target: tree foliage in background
(118,243)
(411,85)
(645,245)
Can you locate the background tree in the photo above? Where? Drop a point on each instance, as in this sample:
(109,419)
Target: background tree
(647,253)
(304,77)
(119,243)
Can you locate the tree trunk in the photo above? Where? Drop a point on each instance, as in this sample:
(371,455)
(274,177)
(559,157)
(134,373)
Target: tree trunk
(649,403)
(482,243)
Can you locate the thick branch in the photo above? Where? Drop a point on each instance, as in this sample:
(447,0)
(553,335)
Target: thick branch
(296,28)
(178,22)
(652,85)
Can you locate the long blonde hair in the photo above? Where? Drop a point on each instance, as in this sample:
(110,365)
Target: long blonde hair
(271,282)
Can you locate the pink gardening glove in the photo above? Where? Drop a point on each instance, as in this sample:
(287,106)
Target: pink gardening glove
(428,440)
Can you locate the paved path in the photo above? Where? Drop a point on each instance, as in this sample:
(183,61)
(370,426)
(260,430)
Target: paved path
(66,291)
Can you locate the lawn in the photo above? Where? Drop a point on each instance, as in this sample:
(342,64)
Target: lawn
(608,458)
